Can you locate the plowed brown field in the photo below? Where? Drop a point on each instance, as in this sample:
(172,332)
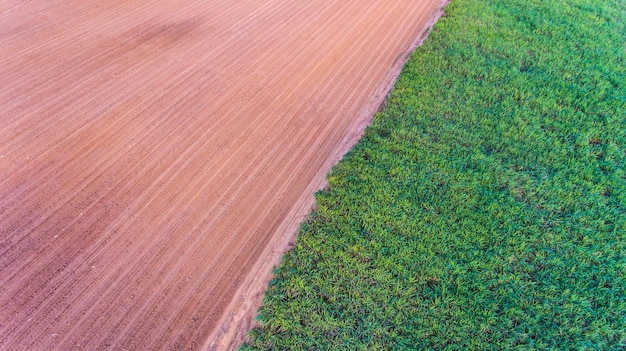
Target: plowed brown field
(157,156)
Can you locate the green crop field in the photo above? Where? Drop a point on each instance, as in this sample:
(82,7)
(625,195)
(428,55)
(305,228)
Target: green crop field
(485,207)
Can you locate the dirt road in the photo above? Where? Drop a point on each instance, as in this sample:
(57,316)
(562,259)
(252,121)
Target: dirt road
(156,156)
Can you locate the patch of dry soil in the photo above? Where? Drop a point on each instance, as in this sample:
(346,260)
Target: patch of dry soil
(157,156)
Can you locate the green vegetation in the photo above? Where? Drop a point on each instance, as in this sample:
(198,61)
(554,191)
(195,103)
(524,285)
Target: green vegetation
(485,207)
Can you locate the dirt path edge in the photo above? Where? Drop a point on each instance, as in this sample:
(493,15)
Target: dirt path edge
(240,314)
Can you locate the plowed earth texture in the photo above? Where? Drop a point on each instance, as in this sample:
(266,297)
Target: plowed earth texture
(154,153)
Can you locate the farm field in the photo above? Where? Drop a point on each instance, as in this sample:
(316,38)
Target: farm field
(157,157)
(485,206)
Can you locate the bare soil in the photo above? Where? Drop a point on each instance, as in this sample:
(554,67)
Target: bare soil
(156,157)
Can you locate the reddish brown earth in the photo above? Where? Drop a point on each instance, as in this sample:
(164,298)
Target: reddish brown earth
(157,156)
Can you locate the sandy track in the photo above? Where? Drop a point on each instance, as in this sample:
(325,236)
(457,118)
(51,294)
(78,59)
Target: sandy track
(155,157)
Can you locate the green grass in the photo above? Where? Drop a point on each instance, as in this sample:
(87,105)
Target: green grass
(485,207)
